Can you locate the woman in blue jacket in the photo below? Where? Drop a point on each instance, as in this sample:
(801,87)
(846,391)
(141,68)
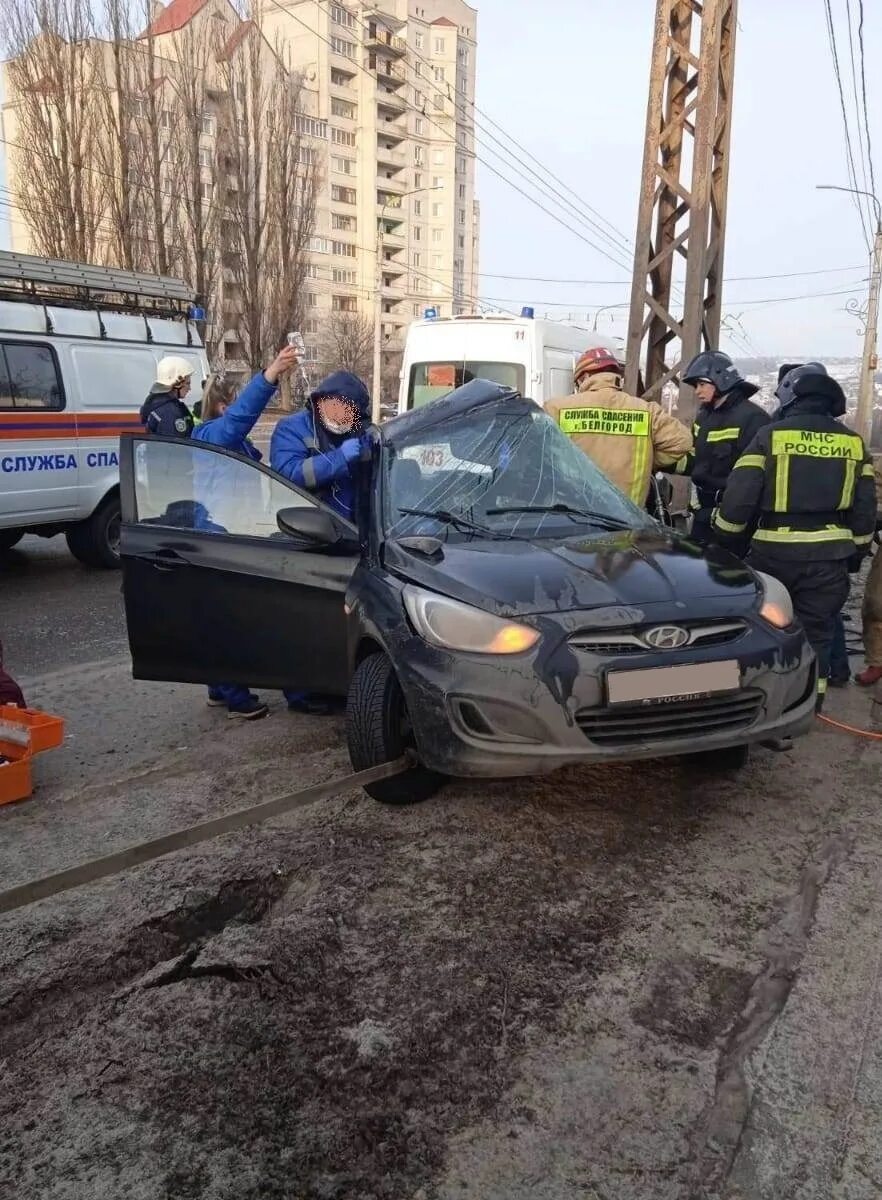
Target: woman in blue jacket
(227,422)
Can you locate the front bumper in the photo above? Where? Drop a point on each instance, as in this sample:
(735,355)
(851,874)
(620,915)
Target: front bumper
(477,716)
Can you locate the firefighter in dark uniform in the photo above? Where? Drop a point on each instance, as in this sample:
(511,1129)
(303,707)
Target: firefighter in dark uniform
(804,492)
(725,425)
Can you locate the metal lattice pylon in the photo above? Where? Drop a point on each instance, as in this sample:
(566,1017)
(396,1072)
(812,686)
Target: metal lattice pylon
(683,191)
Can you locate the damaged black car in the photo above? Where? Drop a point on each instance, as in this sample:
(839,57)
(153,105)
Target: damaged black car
(499,609)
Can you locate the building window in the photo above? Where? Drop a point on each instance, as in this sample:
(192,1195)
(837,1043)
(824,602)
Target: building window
(339,78)
(418,159)
(343,221)
(418,126)
(205,191)
(343,195)
(418,69)
(312,271)
(462,54)
(439,45)
(437,236)
(208,124)
(437,210)
(311,126)
(311,300)
(347,304)
(319,245)
(342,137)
(461,242)
(459,264)
(340,16)
(437,181)
(460,164)
(439,74)
(419,99)
(341,46)
(438,158)
(417,233)
(310,326)
(437,261)
(417,208)
(460,216)
(204,158)
(417,310)
(343,249)
(417,259)
(462,191)
(342,108)
(418,40)
(306,156)
(417,180)
(338,275)
(343,166)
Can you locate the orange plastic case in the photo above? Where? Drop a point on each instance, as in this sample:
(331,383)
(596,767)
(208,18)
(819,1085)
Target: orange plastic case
(24,732)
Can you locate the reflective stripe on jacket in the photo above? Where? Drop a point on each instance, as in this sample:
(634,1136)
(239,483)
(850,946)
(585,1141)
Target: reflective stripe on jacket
(626,437)
(805,489)
(721,435)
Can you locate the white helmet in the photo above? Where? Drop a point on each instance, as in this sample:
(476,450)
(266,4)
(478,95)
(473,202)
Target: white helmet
(172,370)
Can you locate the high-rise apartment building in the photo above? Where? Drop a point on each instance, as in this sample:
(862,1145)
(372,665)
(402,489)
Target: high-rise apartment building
(384,109)
(394,87)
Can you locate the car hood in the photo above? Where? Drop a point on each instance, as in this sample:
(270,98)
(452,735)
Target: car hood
(529,577)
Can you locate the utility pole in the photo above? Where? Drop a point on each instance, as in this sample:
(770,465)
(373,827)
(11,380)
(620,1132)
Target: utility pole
(867,386)
(683,192)
(867,389)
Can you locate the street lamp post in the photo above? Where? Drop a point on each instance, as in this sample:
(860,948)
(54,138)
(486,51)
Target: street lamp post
(867,386)
(376,384)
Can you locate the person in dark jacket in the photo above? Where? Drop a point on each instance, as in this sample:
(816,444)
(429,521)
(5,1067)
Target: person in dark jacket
(227,420)
(805,488)
(164,411)
(318,449)
(726,423)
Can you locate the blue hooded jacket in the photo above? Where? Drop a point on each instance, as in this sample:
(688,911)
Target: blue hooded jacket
(310,456)
(232,427)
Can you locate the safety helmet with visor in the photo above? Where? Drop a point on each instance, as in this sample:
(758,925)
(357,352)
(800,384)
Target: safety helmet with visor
(810,379)
(173,371)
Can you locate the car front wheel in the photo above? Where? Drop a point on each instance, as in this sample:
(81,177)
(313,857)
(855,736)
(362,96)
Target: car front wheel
(378,730)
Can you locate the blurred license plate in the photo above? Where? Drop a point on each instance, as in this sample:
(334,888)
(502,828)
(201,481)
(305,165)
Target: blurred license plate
(672,683)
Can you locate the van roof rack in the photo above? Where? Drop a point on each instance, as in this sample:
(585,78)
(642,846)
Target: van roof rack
(29,277)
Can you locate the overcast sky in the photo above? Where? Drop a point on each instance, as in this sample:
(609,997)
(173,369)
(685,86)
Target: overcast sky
(569,79)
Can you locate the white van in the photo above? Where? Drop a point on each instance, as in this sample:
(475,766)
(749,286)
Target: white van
(534,356)
(78,352)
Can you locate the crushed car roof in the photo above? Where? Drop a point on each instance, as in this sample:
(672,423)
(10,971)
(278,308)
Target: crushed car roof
(463,400)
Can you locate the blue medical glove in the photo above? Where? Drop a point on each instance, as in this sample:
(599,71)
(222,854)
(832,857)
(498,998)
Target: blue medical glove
(351,449)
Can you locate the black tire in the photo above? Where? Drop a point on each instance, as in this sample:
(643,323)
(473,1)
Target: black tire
(10,538)
(95,541)
(732,758)
(378,731)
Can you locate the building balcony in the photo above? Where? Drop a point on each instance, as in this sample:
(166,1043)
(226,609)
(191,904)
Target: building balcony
(390,73)
(391,102)
(394,269)
(394,239)
(388,156)
(381,40)
(391,185)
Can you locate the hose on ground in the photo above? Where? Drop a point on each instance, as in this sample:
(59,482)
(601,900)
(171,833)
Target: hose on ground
(876,737)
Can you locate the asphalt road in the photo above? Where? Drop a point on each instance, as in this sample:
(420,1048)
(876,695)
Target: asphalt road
(635,983)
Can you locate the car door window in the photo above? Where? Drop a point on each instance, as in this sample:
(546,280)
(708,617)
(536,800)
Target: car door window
(190,485)
(29,377)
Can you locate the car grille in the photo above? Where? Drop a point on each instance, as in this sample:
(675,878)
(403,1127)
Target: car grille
(662,722)
(629,641)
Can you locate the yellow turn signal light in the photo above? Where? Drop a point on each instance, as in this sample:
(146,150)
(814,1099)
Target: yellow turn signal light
(513,639)
(776,615)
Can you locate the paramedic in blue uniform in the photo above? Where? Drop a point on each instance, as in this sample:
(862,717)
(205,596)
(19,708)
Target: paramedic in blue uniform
(227,422)
(164,411)
(318,448)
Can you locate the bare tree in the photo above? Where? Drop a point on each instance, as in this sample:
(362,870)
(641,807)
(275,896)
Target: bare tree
(347,344)
(52,72)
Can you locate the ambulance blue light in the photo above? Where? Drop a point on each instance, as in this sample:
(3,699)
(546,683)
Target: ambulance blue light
(197,312)
(430,314)
(529,313)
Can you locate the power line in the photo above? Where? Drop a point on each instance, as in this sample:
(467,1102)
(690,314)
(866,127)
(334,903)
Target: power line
(864,92)
(626,282)
(852,173)
(861,127)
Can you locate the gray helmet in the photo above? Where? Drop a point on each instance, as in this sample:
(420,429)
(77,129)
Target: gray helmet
(810,379)
(719,369)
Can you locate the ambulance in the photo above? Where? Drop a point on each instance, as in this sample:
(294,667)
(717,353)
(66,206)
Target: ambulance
(536,357)
(79,346)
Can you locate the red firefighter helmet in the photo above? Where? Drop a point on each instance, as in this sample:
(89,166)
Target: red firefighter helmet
(597,359)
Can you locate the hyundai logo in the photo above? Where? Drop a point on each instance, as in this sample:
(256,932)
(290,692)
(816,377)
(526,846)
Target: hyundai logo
(666,637)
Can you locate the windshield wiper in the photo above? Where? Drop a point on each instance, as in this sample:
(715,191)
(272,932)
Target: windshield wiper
(448,518)
(566,510)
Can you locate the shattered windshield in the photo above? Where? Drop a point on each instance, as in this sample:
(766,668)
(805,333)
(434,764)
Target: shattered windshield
(501,470)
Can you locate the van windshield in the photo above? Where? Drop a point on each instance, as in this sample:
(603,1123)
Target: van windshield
(432,380)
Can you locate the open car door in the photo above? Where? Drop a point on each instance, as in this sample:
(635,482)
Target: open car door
(214,591)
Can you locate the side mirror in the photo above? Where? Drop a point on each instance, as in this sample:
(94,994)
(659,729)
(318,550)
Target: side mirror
(310,524)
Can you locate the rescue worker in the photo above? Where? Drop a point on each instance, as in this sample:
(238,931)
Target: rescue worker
(726,423)
(871,612)
(164,411)
(626,437)
(227,421)
(805,489)
(318,448)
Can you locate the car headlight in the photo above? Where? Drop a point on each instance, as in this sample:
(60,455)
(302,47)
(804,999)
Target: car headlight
(776,606)
(456,626)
